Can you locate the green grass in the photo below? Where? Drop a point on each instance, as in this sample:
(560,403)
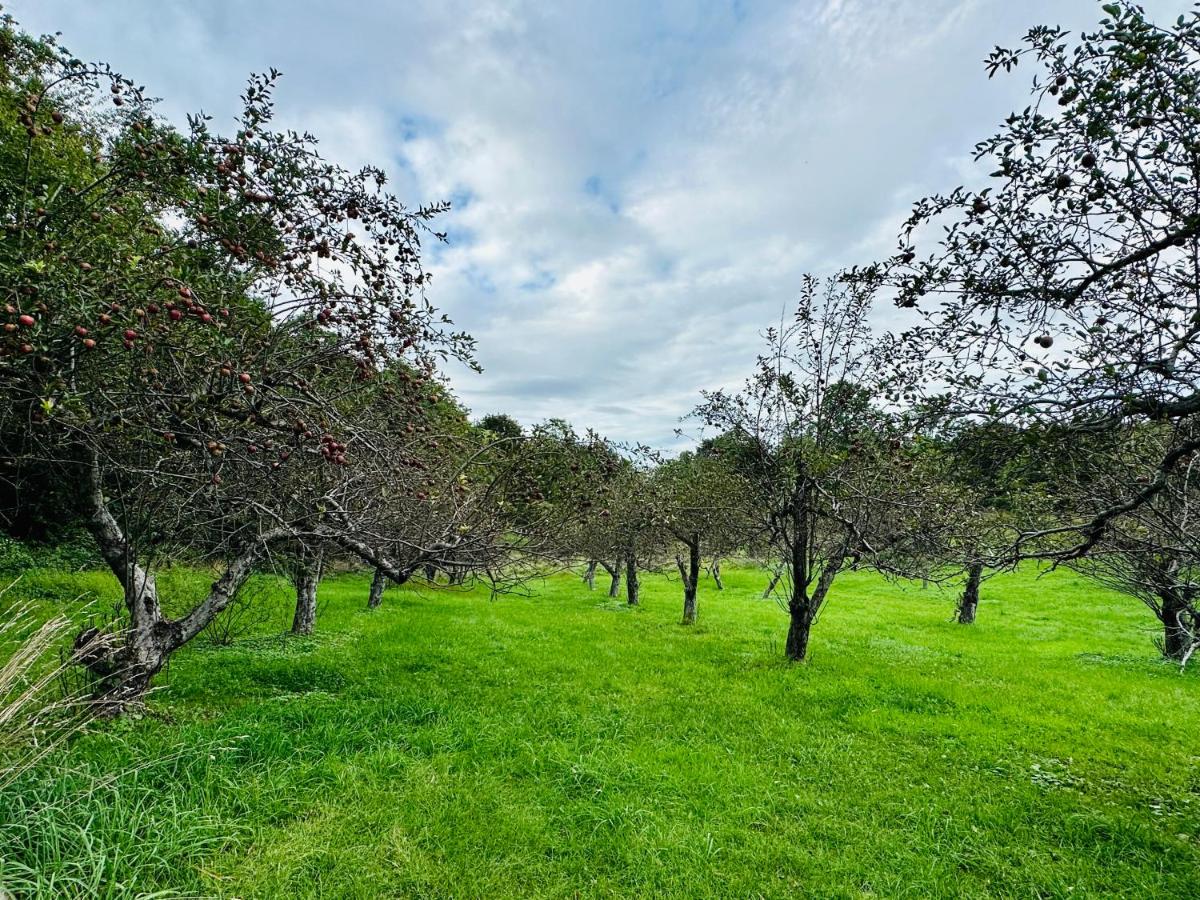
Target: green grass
(563,745)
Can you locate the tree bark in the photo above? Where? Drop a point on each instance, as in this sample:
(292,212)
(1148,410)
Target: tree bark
(589,576)
(632,588)
(614,575)
(716,574)
(803,607)
(969,602)
(378,583)
(690,573)
(308,574)
(1177,638)
(799,628)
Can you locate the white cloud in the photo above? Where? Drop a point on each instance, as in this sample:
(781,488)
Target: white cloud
(639,187)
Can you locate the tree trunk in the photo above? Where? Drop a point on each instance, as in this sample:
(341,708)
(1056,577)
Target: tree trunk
(308,573)
(799,627)
(775,576)
(691,578)
(589,576)
(631,580)
(803,607)
(124,662)
(614,575)
(378,583)
(716,574)
(1177,638)
(969,602)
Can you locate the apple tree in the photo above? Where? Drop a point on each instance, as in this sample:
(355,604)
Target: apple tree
(188,317)
(1064,292)
(834,478)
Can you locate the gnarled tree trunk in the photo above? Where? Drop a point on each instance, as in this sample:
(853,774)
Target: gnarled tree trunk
(124,662)
(632,588)
(969,602)
(589,575)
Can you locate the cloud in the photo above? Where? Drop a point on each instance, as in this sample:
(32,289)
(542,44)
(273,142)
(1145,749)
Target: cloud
(638,188)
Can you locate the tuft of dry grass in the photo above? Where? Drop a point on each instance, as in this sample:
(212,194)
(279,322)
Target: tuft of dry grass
(36,713)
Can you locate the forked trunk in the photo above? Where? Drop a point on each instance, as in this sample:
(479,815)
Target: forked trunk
(124,662)
(589,576)
(378,583)
(803,607)
(614,576)
(969,602)
(631,580)
(716,574)
(123,665)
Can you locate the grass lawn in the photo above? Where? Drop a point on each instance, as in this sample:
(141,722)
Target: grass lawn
(563,745)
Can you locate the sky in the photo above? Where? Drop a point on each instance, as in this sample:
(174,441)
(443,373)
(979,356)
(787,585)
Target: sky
(637,187)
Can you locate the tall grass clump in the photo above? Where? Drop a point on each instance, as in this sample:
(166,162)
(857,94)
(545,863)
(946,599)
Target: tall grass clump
(84,813)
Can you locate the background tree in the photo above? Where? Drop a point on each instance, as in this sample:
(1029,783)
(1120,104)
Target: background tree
(1000,476)
(501,425)
(832,475)
(701,504)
